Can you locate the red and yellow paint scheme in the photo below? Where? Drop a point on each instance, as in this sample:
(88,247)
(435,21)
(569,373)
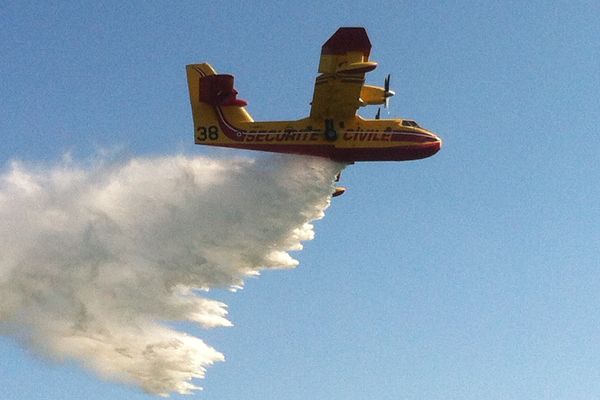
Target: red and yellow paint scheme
(333,129)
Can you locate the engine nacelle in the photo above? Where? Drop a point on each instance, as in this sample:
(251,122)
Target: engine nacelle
(372,95)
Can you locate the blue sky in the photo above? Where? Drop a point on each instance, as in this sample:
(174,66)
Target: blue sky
(472,274)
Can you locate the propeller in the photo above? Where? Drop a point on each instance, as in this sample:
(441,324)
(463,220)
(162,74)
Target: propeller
(387,93)
(378,115)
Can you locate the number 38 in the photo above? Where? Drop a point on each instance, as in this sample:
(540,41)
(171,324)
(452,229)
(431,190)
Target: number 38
(204,133)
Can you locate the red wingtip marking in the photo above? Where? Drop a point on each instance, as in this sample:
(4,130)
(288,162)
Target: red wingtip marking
(345,40)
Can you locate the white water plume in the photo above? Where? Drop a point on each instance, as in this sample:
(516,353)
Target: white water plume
(93,258)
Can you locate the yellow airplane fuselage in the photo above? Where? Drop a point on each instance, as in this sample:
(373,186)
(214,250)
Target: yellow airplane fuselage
(356,139)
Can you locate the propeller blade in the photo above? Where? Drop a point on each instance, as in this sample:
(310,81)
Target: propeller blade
(378,115)
(387,93)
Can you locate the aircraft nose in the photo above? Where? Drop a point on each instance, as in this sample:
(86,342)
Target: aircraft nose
(436,139)
(434,144)
(432,138)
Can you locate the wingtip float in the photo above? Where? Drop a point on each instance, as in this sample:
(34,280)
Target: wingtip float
(333,128)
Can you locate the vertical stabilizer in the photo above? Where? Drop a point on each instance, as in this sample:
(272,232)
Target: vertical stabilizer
(213,99)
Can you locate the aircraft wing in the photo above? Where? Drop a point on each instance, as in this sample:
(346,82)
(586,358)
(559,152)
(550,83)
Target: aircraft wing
(343,64)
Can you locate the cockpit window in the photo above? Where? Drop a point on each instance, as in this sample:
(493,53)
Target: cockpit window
(408,122)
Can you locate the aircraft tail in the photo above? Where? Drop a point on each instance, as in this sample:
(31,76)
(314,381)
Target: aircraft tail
(215,107)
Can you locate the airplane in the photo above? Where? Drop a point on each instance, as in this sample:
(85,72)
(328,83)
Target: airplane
(333,128)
